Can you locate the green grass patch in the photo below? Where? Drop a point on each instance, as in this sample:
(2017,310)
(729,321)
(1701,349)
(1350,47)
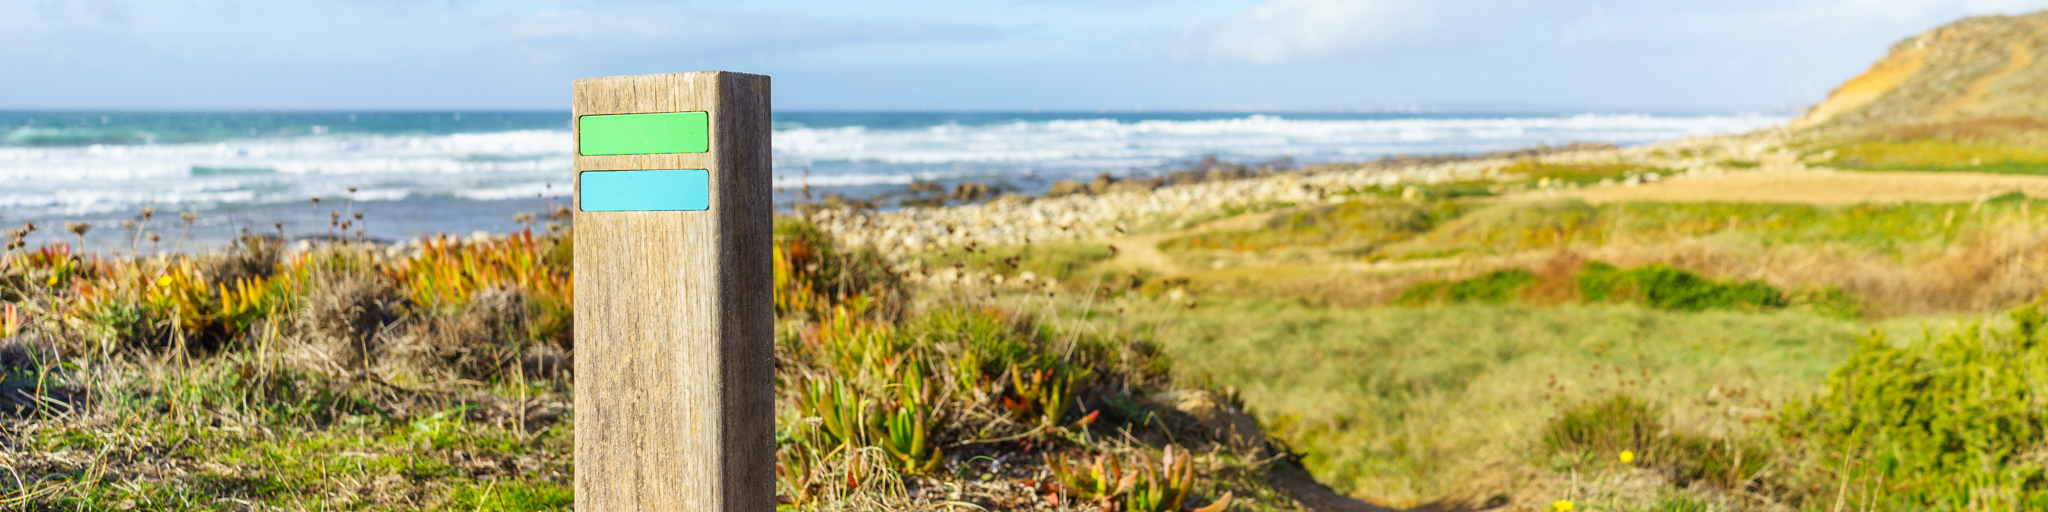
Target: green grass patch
(1406,403)
(1885,229)
(1935,155)
(1423,230)
(1494,287)
(1356,226)
(1578,173)
(512,496)
(1664,287)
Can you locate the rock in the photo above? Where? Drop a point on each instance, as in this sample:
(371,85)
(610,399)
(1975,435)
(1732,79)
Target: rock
(1101,183)
(1215,419)
(969,191)
(1144,185)
(1066,187)
(1011,199)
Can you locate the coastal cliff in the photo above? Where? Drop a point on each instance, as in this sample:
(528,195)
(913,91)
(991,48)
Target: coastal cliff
(1974,68)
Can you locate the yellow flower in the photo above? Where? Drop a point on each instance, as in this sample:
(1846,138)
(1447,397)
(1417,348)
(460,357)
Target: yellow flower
(1562,505)
(53,280)
(163,281)
(1627,456)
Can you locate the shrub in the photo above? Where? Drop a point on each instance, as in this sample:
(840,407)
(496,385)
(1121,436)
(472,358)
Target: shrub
(813,275)
(1494,287)
(1657,286)
(1664,287)
(1620,422)
(1601,429)
(1949,422)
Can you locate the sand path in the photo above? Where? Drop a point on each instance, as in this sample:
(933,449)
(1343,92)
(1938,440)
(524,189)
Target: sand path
(1141,251)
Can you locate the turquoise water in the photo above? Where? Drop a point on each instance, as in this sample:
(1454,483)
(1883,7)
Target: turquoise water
(418,173)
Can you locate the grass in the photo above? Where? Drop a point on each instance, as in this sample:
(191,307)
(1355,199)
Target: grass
(1360,226)
(1732,357)
(1874,259)
(1412,405)
(1060,261)
(2010,145)
(1935,155)
(1886,229)
(1577,173)
(348,377)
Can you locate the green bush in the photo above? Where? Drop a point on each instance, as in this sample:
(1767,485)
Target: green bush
(1951,422)
(1495,287)
(1608,426)
(1657,286)
(1664,287)
(1600,430)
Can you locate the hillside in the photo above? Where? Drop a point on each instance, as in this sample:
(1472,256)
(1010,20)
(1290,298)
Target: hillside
(1975,68)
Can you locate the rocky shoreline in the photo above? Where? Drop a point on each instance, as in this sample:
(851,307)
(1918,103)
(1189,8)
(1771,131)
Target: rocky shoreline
(1102,211)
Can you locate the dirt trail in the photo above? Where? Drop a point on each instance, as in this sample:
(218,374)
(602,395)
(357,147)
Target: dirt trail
(1822,186)
(1142,251)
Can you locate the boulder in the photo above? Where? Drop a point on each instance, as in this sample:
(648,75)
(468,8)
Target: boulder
(1134,185)
(1066,187)
(1101,183)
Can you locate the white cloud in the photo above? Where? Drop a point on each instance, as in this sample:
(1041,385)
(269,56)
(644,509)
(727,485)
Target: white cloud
(1289,31)
(1283,31)
(733,32)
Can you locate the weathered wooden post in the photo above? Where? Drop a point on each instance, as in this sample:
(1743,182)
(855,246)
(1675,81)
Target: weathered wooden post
(675,355)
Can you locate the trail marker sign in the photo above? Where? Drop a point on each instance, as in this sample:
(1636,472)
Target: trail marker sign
(674,329)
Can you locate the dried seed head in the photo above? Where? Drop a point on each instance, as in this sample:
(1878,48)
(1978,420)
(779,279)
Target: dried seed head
(148,211)
(523,218)
(316,200)
(77,228)
(30,227)
(127,225)
(359,215)
(189,217)
(351,190)
(153,237)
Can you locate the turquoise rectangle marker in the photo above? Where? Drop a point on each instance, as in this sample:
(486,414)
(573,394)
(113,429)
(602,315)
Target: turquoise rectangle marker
(644,191)
(644,134)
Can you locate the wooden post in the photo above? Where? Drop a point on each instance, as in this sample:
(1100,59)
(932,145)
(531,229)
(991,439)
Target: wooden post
(675,351)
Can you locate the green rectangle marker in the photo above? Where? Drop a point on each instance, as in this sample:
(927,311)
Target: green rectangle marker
(644,134)
(644,191)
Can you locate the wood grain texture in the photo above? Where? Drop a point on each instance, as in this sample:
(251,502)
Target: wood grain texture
(675,355)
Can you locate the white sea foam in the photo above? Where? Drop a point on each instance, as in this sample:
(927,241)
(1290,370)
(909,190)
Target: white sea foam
(1105,140)
(40,182)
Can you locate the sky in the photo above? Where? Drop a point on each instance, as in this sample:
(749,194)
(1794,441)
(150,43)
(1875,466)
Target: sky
(1603,55)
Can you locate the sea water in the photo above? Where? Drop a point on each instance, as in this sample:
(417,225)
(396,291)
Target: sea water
(420,173)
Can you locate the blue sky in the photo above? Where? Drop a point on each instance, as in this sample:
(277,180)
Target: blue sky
(988,55)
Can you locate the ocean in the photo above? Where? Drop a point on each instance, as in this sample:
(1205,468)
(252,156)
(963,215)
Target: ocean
(420,173)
